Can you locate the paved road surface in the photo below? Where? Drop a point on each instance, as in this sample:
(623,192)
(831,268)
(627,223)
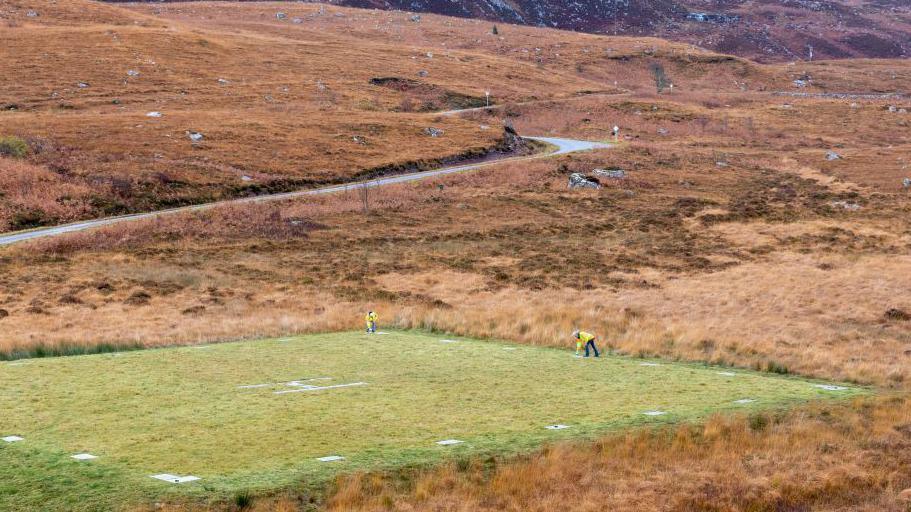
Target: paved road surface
(563,146)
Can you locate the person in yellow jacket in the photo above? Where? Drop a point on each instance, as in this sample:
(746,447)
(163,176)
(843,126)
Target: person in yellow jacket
(587,339)
(371,319)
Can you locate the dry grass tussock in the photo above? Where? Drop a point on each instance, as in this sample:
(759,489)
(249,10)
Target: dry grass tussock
(850,457)
(33,195)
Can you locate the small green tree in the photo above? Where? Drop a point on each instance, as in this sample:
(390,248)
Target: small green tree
(661,79)
(13,146)
(494,31)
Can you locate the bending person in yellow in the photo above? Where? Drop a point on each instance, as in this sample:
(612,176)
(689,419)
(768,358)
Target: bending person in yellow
(587,339)
(371,319)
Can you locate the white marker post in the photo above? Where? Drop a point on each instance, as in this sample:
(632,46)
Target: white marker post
(616,132)
(487,96)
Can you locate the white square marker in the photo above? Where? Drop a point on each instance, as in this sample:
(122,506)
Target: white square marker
(449,341)
(654,413)
(84,456)
(744,401)
(727,374)
(448,442)
(830,387)
(13,439)
(649,364)
(556,427)
(330,458)
(509,348)
(174,479)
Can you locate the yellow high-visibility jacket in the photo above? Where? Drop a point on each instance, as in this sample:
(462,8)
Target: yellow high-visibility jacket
(585,337)
(371,317)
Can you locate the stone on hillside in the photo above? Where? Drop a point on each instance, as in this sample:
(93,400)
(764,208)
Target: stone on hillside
(846,205)
(3,313)
(831,155)
(222,81)
(154,114)
(32,14)
(663,131)
(906,182)
(610,173)
(416,18)
(422,73)
(433,132)
(132,72)
(579,180)
(297,21)
(195,136)
(280,15)
(82,85)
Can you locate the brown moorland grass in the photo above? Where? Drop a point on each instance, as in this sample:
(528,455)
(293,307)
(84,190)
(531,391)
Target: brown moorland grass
(732,240)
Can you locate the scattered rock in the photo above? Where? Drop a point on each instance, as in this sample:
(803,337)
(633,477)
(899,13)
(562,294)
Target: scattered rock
(610,173)
(896,314)
(32,14)
(132,72)
(579,180)
(433,132)
(154,114)
(422,73)
(195,136)
(359,140)
(905,495)
(3,314)
(246,178)
(893,108)
(222,81)
(82,85)
(663,131)
(429,55)
(297,21)
(846,205)
(831,155)
(416,18)
(906,182)
(801,83)
(138,298)
(280,15)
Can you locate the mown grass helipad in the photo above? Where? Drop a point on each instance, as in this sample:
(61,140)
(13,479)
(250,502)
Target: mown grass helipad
(260,415)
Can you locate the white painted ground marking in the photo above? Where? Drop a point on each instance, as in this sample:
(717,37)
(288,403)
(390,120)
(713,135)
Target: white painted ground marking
(727,374)
(19,363)
(300,383)
(449,341)
(556,427)
(13,439)
(330,458)
(830,387)
(447,442)
(654,413)
(744,401)
(285,339)
(254,386)
(84,456)
(174,479)
(381,332)
(649,364)
(509,348)
(319,388)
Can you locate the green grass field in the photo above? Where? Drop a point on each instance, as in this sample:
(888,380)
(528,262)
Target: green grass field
(182,411)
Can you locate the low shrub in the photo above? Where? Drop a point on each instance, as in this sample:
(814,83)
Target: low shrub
(13,146)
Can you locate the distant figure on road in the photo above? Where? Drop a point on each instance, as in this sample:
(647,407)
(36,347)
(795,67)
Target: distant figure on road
(588,340)
(371,319)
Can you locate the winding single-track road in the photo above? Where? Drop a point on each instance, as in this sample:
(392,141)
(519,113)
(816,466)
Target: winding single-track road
(563,146)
